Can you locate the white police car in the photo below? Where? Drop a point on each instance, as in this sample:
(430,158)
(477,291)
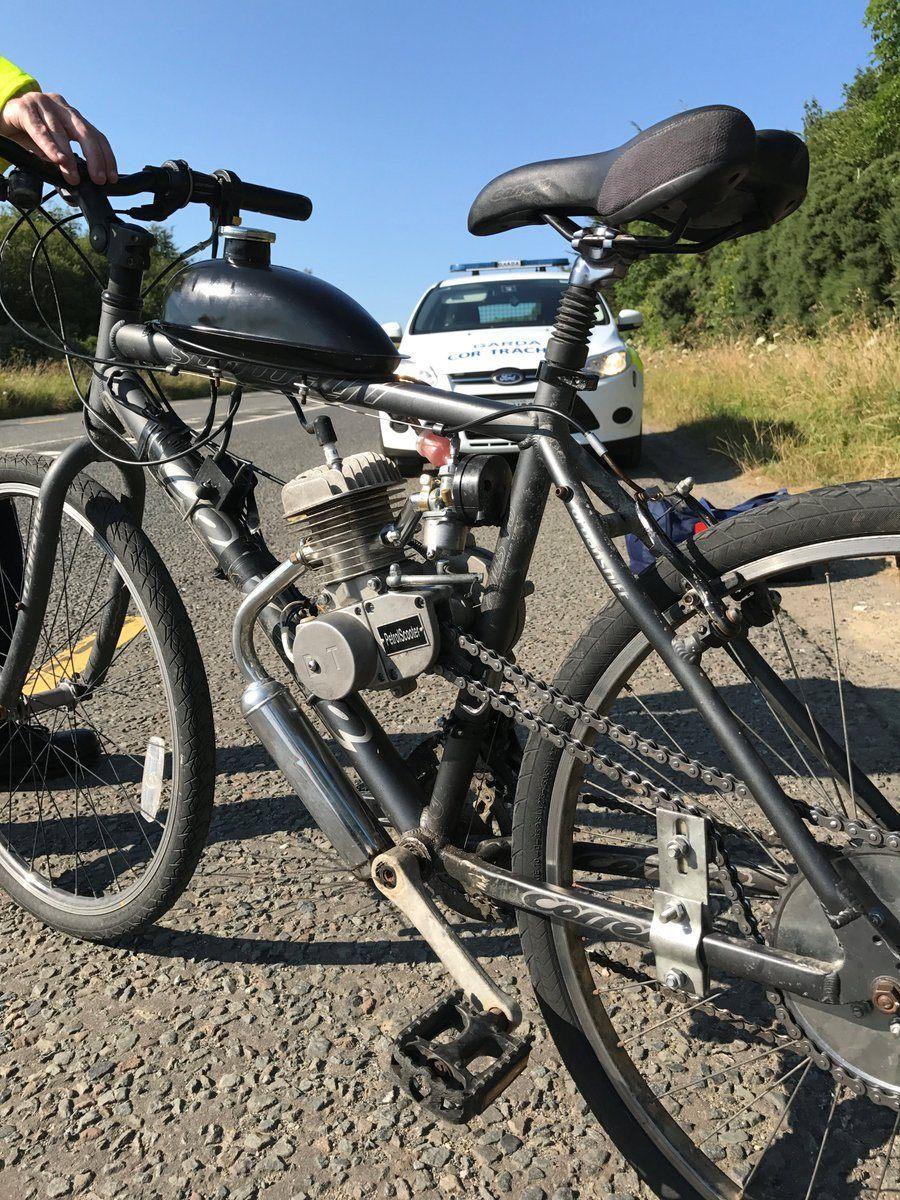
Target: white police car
(483,332)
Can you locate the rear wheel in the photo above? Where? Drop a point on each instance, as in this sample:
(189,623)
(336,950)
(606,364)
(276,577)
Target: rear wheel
(105,800)
(722,1098)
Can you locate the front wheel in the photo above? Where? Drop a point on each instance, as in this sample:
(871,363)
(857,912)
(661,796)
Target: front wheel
(105,791)
(722,1097)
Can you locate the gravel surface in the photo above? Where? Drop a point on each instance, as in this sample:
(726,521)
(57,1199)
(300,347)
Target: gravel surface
(239,1050)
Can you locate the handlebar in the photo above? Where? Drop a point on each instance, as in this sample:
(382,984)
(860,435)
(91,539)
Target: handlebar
(174,185)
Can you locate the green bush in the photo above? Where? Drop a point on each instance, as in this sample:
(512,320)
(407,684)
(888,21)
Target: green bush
(837,256)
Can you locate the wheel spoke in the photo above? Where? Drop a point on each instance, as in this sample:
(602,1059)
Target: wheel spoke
(755,1099)
(667,734)
(802,689)
(840,689)
(880,1189)
(717,1076)
(814,779)
(781,1120)
(681,1012)
(818,1163)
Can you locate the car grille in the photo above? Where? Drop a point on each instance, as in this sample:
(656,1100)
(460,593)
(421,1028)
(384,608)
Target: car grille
(480,378)
(473,379)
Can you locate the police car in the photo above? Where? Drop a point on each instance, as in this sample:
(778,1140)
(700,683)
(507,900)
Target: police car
(483,331)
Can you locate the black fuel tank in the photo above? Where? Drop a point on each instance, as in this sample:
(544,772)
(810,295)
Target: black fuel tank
(241,305)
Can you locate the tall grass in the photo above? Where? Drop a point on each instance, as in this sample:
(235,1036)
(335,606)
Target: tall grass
(803,410)
(35,389)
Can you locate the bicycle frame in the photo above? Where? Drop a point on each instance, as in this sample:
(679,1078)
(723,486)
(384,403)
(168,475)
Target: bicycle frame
(548,457)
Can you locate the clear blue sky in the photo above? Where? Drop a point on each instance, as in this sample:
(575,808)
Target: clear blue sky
(391,116)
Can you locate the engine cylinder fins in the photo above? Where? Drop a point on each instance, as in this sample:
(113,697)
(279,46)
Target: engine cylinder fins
(341,509)
(326,482)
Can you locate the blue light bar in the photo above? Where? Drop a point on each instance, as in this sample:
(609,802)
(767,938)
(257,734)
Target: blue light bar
(504,264)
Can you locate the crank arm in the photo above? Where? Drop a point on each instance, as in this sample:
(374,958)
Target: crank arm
(397,875)
(736,957)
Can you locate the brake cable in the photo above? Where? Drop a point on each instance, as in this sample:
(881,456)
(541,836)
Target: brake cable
(170,267)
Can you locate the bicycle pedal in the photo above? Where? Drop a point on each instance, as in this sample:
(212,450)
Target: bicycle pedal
(434,1055)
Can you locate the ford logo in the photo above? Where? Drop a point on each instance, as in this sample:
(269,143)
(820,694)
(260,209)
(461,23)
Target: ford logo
(508,377)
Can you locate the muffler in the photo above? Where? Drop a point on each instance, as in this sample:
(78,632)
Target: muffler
(294,743)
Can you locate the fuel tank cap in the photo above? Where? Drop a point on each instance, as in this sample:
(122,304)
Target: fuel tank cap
(246,247)
(246,235)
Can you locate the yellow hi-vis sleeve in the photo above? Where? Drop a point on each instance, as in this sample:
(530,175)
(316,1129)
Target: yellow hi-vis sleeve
(13,82)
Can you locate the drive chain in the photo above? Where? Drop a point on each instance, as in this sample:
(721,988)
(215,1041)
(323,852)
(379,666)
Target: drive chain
(726,876)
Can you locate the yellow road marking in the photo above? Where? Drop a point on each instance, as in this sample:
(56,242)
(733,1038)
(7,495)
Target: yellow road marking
(73,661)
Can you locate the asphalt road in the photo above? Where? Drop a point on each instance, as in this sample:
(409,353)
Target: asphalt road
(239,1050)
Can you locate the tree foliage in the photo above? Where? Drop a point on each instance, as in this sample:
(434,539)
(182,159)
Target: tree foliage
(838,255)
(77,288)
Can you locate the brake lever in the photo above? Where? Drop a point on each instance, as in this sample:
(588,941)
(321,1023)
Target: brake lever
(167,200)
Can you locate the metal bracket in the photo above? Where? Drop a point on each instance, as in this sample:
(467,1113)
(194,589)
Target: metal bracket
(581,381)
(397,875)
(681,902)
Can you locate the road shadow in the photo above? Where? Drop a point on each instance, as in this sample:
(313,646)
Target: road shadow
(231,760)
(711,448)
(408,949)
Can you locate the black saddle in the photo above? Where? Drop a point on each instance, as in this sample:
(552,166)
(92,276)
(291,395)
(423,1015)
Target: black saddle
(707,165)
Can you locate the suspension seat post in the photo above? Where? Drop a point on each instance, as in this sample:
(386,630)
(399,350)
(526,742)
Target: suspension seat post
(567,350)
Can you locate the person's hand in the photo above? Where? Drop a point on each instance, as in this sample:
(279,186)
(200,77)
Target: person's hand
(46,124)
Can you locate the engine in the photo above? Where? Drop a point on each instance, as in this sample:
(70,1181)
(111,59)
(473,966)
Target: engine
(376,621)
(373,633)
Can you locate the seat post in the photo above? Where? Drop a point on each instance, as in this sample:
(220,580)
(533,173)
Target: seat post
(498,623)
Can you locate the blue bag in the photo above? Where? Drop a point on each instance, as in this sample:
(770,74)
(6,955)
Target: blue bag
(680,524)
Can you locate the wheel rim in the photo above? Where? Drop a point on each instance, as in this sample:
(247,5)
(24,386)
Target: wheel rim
(77,840)
(663,1120)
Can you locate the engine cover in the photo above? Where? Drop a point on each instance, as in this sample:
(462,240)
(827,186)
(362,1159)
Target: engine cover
(377,643)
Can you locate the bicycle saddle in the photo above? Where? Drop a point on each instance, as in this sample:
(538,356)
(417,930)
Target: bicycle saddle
(708,164)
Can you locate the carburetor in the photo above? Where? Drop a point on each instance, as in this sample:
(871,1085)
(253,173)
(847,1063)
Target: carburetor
(375,633)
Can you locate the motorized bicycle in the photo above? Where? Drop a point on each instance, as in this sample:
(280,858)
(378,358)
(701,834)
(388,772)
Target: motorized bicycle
(700,835)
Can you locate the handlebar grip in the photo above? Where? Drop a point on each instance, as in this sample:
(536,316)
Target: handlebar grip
(206,188)
(26,161)
(273,202)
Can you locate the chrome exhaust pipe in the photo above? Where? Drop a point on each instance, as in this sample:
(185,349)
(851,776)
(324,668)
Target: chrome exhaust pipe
(295,744)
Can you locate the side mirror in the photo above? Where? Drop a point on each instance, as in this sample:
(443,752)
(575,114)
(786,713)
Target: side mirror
(394,330)
(629,318)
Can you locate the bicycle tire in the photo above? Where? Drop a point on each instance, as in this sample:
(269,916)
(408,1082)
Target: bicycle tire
(189,807)
(863,509)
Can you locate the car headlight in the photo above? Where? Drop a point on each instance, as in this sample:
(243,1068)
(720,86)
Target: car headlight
(613,362)
(418,371)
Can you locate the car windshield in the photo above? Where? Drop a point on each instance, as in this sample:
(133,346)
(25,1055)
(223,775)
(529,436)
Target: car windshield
(492,304)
